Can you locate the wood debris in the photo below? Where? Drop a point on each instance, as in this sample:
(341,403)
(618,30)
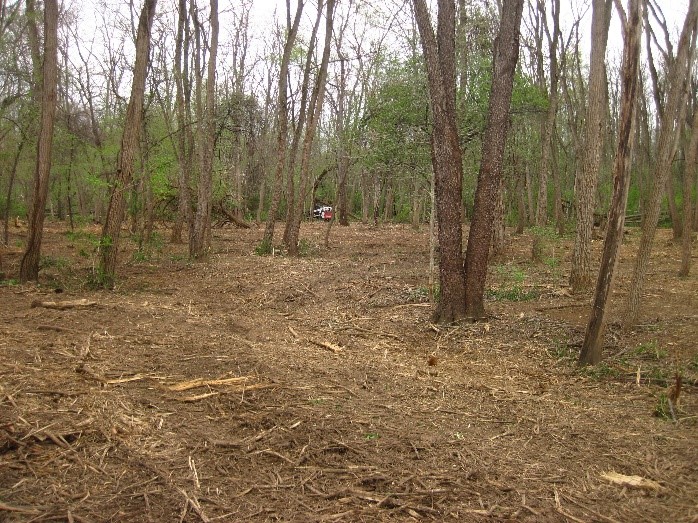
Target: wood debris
(63,305)
(632,481)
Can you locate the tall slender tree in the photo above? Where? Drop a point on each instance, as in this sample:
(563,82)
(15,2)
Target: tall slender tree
(671,116)
(282,121)
(293,225)
(690,173)
(548,128)
(109,242)
(591,348)
(184,133)
(29,267)
(199,239)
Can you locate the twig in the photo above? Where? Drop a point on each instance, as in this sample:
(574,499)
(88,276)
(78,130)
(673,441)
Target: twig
(569,516)
(21,510)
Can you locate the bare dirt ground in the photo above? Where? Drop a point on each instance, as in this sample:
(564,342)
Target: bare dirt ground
(266,388)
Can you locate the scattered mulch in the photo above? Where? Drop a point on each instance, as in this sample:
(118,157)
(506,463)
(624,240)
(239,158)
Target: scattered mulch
(311,389)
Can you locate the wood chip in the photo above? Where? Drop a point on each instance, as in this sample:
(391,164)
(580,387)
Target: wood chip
(327,345)
(632,481)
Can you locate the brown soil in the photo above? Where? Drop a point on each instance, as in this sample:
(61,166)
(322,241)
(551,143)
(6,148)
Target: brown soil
(250,388)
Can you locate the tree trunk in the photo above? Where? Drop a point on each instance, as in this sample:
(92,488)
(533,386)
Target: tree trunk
(282,125)
(183,105)
(588,169)
(690,173)
(591,348)
(29,266)
(199,239)
(671,117)
(446,156)
(506,54)
(551,115)
(304,113)
(674,216)
(315,109)
(109,242)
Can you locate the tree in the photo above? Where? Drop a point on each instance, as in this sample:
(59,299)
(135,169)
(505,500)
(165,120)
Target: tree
(548,127)
(591,348)
(282,123)
(439,55)
(506,54)
(109,242)
(183,109)
(293,222)
(690,171)
(671,116)
(588,169)
(29,267)
(199,239)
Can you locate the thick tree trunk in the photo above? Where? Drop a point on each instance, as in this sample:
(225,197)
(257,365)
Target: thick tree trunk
(29,267)
(672,115)
(506,55)
(591,348)
(109,242)
(588,169)
(439,53)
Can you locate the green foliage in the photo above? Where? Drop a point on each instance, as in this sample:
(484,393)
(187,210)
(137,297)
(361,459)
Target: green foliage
(512,287)
(601,371)
(561,350)
(264,248)
(650,350)
(55,262)
(307,248)
(11,282)
(396,127)
(664,409)
(372,436)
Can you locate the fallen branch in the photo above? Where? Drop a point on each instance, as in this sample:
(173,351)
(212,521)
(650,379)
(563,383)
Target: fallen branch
(20,510)
(632,481)
(201,382)
(326,345)
(63,305)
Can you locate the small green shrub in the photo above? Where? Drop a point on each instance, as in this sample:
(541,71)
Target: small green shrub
(650,350)
(601,371)
(264,248)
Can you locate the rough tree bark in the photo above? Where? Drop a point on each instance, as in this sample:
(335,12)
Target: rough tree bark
(29,266)
(109,242)
(506,55)
(446,156)
(588,169)
(199,239)
(591,348)
(671,117)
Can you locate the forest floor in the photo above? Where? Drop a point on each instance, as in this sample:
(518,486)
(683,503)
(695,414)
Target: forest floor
(252,388)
